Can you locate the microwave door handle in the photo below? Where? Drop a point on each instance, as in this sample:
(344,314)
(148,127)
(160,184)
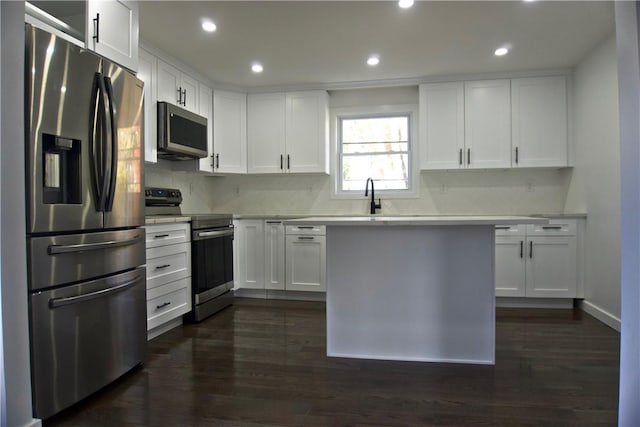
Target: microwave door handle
(113,168)
(101,175)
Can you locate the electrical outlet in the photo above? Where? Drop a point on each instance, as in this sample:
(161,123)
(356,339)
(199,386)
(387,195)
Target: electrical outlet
(529,186)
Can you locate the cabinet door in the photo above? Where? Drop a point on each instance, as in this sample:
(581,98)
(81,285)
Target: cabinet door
(306,263)
(551,267)
(168,83)
(189,87)
(250,249)
(510,266)
(274,255)
(539,127)
(147,69)
(442,126)
(487,118)
(266,133)
(113,31)
(307,122)
(205,109)
(230,132)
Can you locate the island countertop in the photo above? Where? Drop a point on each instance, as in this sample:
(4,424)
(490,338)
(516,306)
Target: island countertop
(418,220)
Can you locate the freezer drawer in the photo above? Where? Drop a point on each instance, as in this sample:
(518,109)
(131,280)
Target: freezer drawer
(58,260)
(85,336)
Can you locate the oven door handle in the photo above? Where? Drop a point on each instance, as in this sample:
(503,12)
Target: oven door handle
(210,234)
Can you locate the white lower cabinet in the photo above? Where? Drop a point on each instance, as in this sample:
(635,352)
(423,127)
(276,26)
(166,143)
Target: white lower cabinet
(249,254)
(272,257)
(168,273)
(537,261)
(305,263)
(510,266)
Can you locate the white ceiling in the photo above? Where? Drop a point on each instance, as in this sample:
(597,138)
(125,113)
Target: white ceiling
(327,42)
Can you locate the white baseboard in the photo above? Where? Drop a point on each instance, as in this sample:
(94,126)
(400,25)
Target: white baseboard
(159,330)
(522,302)
(283,295)
(297,295)
(602,315)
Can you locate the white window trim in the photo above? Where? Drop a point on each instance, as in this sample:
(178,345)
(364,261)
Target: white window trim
(414,176)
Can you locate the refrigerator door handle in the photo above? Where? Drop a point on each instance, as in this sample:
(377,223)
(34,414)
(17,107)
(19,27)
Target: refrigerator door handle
(81,247)
(99,166)
(60,302)
(113,139)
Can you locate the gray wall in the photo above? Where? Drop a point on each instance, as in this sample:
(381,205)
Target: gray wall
(629,79)
(595,184)
(12,222)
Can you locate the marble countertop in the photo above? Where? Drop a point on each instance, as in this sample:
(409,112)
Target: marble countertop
(165,219)
(418,220)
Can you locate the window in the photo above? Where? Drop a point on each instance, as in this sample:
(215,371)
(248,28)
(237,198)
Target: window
(376,146)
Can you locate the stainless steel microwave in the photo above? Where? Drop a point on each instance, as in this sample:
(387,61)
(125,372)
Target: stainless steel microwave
(182,135)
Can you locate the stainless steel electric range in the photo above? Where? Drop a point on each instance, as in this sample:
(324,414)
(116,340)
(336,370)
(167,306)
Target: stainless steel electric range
(211,252)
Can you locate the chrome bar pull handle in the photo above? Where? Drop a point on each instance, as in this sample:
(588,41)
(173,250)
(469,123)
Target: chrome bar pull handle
(530,249)
(96,28)
(521,249)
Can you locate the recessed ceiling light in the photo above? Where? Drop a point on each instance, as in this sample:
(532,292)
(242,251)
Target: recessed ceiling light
(209,26)
(501,51)
(373,60)
(256,67)
(405,4)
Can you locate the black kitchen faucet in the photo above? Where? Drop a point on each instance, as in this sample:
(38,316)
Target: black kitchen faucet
(374,205)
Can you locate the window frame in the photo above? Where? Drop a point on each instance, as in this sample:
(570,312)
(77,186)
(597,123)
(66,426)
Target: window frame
(337,114)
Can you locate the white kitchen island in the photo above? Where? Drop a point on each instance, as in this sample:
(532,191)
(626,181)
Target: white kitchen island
(417,288)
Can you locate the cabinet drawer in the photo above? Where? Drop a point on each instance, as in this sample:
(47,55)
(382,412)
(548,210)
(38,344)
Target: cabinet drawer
(167,302)
(510,230)
(556,227)
(168,263)
(318,230)
(167,234)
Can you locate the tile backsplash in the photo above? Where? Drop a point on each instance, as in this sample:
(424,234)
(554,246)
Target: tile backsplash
(524,191)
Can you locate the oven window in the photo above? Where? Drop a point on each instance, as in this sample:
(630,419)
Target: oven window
(212,263)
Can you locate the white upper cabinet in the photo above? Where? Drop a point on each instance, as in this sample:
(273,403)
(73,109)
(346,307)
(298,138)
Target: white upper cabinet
(487,118)
(229,132)
(288,132)
(442,126)
(307,125)
(177,88)
(539,114)
(147,68)
(266,129)
(494,124)
(205,109)
(112,31)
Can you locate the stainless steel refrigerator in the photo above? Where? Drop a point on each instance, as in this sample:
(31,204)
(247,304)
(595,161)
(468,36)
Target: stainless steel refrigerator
(86,250)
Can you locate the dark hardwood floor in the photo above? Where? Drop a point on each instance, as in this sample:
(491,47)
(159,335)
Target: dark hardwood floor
(263,363)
